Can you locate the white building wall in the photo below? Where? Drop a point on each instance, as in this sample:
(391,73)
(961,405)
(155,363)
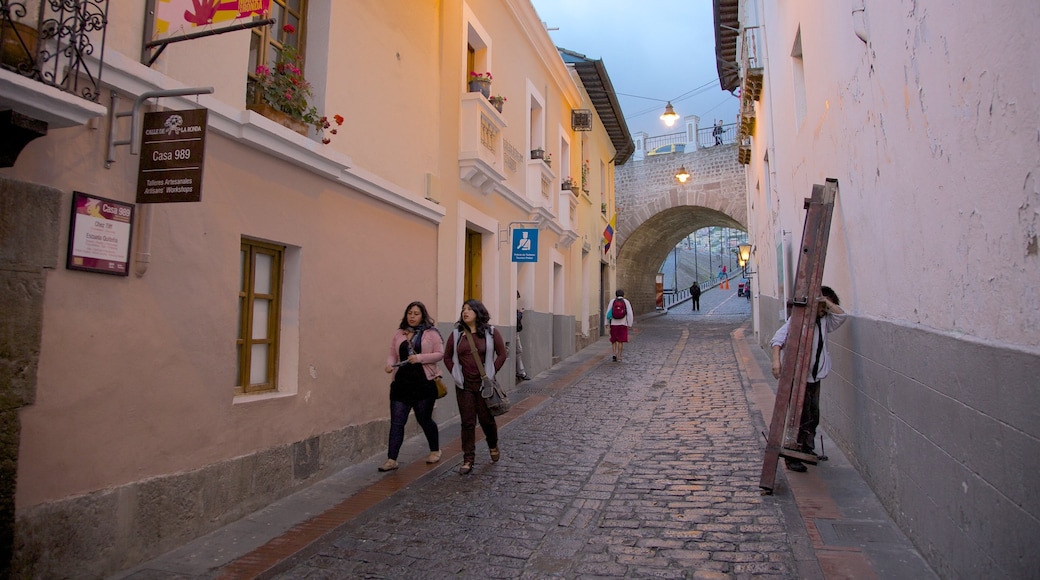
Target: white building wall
(930,126)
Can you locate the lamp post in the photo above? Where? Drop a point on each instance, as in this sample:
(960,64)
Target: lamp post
(675,270)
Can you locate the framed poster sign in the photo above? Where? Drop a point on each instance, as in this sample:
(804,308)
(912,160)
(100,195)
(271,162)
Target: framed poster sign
(99,235)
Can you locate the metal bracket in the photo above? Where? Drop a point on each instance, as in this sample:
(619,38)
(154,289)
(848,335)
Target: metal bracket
(504,235)
(135,123)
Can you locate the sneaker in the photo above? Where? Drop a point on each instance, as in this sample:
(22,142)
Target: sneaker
(466,468)
(520,378)
(797,466)
(390,465)
(434,457)
(495,454)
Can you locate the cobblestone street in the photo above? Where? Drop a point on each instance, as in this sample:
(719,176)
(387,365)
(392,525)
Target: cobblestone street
(644,468)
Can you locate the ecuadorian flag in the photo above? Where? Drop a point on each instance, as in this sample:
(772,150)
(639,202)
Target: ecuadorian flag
(608,234)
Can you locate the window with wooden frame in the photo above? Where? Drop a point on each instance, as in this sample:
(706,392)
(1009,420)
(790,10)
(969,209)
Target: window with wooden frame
(266,40)
(259,305)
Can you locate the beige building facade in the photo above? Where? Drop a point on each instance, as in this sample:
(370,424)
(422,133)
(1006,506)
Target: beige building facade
(241,357)
(926,114)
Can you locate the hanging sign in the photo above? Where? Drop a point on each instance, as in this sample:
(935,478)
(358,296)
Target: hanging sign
(179,17)
(525,245)
(173,145)
(99,235)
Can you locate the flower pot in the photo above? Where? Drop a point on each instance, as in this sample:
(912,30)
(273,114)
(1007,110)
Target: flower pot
(498,105)
(284,119)
(482,86)
(19,48)
(537,153)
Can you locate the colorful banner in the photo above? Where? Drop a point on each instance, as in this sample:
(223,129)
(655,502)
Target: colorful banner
(608,234)
(178,17)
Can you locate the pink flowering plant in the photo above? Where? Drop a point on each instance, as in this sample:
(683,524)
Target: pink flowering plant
(484,76)
(284,88)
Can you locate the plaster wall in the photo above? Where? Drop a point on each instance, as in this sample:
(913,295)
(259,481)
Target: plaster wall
(930,128)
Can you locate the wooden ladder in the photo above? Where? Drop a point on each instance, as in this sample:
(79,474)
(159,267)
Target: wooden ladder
(794,368)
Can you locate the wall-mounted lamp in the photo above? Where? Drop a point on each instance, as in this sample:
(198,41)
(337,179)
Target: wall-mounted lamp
(744,257)
(683,175)
(745,252)
(670,116)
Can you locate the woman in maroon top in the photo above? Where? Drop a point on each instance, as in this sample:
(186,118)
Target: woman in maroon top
(462,365)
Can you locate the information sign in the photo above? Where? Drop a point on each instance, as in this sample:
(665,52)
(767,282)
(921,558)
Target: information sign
(173,147)
(525,245)
(99,235)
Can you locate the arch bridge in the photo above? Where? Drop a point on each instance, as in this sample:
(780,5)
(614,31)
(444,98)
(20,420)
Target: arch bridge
(655,211)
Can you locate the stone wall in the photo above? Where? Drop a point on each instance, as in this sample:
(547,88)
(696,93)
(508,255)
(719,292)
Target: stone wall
(29,241)
(100,533)
(655,211)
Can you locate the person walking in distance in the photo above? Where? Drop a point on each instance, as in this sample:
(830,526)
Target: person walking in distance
(829,316)
(415,350)
(695,296)
(717,132)
(620,319)
(521,372)
(459,357)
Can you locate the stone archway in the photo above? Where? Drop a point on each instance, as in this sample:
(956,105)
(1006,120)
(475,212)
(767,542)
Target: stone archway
(655,211)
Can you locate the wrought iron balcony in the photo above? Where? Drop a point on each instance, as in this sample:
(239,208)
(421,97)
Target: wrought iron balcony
(50,71)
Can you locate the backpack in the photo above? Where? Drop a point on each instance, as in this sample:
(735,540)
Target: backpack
(618,310)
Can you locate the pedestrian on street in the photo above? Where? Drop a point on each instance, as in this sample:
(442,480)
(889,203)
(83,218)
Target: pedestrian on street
(717,132)
(829,316)
(521,372)
(460,359)
(415,350)
(695,296)
(620,319)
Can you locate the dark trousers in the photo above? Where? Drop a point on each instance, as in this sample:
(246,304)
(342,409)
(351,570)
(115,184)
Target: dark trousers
(473,409)
(810,417)
(399,417)
(696,303)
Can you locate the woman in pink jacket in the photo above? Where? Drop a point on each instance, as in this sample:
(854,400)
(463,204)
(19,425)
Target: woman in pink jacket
(415,350)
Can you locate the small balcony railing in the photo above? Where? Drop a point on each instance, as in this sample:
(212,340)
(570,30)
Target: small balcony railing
(50,41)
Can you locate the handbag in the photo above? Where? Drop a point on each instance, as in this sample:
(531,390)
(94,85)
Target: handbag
(442,389)
(496,399)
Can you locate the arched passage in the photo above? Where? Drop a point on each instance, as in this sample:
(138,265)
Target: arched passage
(655,212)
(644,250)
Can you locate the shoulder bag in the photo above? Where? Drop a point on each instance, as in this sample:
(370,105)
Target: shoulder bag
(496,399)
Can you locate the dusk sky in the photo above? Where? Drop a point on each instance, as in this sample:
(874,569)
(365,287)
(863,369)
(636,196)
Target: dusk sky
(658,49)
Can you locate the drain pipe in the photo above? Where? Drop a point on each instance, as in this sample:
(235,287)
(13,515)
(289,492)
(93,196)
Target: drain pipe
(859,22)
(144,240)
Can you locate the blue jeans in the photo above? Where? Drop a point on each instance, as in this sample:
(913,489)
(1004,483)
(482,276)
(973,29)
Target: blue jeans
(399,417)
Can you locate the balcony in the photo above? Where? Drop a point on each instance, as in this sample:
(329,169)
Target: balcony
(50,71)
(481,162)
(750,90)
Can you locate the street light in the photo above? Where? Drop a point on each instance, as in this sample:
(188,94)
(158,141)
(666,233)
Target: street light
(744,251)
(683,175)
(670,116)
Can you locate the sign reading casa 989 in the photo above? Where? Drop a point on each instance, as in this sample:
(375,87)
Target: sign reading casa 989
(173,147)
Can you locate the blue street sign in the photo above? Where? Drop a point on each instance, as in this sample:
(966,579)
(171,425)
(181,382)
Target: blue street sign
(525,245)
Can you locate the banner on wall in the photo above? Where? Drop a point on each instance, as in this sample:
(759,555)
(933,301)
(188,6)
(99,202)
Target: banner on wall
(179,17)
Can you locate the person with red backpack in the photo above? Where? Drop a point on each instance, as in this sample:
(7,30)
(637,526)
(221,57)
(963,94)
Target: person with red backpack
(620,319)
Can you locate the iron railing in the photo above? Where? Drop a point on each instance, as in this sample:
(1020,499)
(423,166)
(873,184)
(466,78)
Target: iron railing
(50,41)
(705,138)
